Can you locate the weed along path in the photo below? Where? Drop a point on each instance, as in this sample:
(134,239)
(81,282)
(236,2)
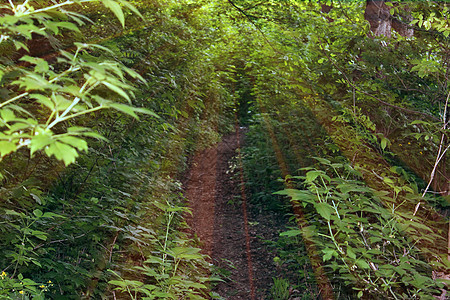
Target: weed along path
(225,225)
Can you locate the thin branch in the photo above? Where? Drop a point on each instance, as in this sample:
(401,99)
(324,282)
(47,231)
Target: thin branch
(69,2)
(441,151)
(79,114)
(12,5)
(14,99)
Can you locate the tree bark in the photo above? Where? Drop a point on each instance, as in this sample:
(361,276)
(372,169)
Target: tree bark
(382,22)
(378,15)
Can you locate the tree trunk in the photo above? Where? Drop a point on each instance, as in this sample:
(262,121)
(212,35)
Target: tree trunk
(382,22)
(378,15)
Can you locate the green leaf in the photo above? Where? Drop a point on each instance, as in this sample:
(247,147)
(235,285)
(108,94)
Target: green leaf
(83,131)
(328,253)
(40,235)
(44,100)
(52,26)
(322,160)
(362,264)
(312,175)
(19,45)
(120,283)
(131,7)
(145,111)
(7,115)
(77,129)
(62,152)
(84,45)
(37,263)
(347,187)
(51,215)
(291,233)
(38,213)
(40,141)
(116,9)
(7,147)
(350,253)
(68,25)
(324,210)
(163,295)
(75,142)
(129,110)
(383,143)
(388,180)
(41,64)
(117,89)
(34,81)
(195,285)
(296,195)
(420,122)
(27,29)
(185,253)
(95,135)
(14,213)
(154,260)
(36,198)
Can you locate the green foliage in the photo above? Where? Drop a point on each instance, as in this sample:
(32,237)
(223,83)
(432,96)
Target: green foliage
(280,289)
(197,58)
(429,132)
(364,244)
(365,128)
(167,268)
(44,96)
(108,195)
(21,288)
(25,235)
(261,168)
(375,83)
(293,265)
(433,19)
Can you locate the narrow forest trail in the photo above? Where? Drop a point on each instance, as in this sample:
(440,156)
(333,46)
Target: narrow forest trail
(231,232)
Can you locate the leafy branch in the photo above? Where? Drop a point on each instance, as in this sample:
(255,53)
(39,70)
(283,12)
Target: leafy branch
(350,83)
(59,93)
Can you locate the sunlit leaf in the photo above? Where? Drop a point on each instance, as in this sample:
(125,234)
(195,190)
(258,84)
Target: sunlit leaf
(40,141)
(62,152)
(7,147)
(116,89)
(75,142)
(116,9)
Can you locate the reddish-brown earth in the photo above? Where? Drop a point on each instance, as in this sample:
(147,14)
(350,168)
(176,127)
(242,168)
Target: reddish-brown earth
(213,190)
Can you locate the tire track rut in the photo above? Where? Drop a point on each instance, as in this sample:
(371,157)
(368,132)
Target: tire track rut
(217,217)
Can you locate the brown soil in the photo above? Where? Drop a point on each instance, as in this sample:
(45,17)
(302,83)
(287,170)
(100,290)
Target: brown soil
(219,207)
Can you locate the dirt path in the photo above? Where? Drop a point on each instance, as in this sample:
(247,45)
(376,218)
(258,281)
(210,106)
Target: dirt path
(218,206)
